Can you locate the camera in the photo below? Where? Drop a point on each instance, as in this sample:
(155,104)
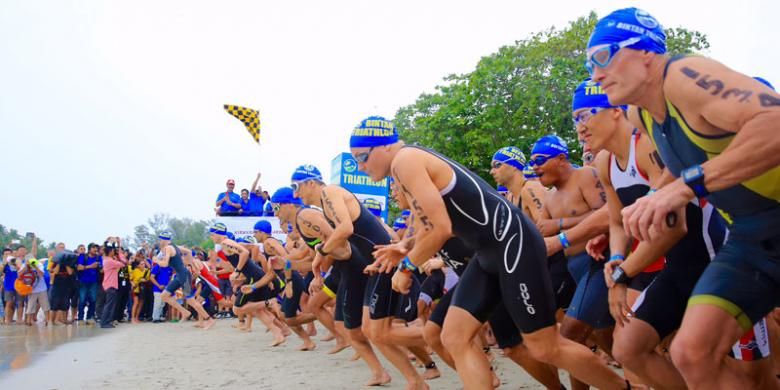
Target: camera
(66,258)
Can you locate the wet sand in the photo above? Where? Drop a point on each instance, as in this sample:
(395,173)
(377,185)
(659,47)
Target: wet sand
(179,356)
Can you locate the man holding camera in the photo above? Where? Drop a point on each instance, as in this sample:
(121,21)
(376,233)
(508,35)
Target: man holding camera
(38,298)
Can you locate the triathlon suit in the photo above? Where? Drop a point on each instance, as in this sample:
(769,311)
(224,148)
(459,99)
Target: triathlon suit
(631,183)
(290,305)
(210,281)
(378,294)
(744,277)
(182,278)
(252,272)
(346,283)
(510,258)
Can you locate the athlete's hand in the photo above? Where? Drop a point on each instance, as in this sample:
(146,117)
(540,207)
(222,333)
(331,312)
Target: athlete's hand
(432,265)
(389,256)
(618,306)
(402,282)
(652,214)
(596,246)
(372,269)
(548,227)
(315,285)
(609,268)
(553,245)
(246,289)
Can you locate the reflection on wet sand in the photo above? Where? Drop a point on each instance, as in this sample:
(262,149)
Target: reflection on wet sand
(20,345)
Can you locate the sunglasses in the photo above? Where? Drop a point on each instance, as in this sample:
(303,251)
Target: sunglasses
(276,207)
(496,164)
(540,160)
(363,157)
(296,185)
(584,116)
(587,158)
(602,55)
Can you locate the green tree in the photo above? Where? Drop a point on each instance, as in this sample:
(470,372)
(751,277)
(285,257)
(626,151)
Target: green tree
(513,96)
(185,231)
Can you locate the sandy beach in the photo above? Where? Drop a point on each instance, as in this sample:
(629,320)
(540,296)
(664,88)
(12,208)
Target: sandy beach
(179,356)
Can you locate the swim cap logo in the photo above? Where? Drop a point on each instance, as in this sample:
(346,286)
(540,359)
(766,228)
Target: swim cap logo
(645,19)
(350,165)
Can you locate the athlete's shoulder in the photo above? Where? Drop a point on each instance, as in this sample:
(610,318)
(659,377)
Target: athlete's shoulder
(695,77)
(602,164)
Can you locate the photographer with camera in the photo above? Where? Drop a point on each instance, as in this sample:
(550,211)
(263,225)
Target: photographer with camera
(13,302)
(63,283)
(113,261)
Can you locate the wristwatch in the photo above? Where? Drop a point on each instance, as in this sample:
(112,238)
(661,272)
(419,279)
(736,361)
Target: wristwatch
(619,276)
(319,249)
(694,178)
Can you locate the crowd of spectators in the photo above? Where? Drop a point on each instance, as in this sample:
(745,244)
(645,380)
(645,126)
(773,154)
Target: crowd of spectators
(251,203)
(94,285)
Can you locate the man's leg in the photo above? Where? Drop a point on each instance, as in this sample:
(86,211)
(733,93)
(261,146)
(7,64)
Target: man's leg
(83,291)
(158,306)
(91,298)
(109,308)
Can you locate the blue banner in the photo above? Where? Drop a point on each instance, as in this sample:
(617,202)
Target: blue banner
(344,172)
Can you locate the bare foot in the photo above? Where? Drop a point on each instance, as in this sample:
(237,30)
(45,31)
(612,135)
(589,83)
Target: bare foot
(355,357)
(278,341)
(417,386)
(307,346)
(209,323)
(380,380)
(496,381)
(197,325)
(312,331)
(431,373)
(338,348)
(329,337)
(185,318)
(286,331)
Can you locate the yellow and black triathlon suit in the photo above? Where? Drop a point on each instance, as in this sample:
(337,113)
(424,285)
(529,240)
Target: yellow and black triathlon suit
(744,277)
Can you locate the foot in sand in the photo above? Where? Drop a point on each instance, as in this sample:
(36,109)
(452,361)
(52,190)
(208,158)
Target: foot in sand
(379,380)
(431,373)
(307,346)
(278,341)
(209,323)
(355,357)
(329,337)
(338,348)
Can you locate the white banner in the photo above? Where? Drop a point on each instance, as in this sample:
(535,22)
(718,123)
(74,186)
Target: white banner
(245,226)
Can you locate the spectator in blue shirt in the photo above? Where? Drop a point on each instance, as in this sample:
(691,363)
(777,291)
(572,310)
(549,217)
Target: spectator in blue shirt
(268,210)
(256,200)
(228,202)
(160,278)
(88,278)
(244,203)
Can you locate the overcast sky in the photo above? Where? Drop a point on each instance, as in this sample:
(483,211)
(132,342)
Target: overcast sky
(112,111)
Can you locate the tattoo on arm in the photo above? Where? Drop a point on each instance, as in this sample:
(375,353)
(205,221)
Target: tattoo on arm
(656,159)
(418,211)
(536,200)
(329,206)
(599,187)
(741,95)
(309,224)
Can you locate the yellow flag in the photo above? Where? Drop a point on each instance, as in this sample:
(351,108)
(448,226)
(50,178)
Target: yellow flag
(250,118)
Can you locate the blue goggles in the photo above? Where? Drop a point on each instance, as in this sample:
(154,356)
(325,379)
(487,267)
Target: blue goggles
(363,157)
(602,55)
(540,160)
(584,116)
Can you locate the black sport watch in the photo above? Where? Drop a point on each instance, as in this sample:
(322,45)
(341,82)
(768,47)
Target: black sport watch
(694,178)
(619,276)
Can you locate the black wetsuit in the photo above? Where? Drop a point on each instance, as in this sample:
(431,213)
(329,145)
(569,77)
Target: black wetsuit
(378,294)
(510,261)
(252,272)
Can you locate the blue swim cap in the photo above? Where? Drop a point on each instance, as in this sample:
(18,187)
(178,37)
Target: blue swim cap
(218,228)
(306,172)
(406,213)
(501,189)
(373,206)
(628,23)
(399,223)
(765,82)
(510,155)
(285,195)
(165,235)
(373,131)
(550,145)
(263,226)
(590,95)
(529,173)
(230,236)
